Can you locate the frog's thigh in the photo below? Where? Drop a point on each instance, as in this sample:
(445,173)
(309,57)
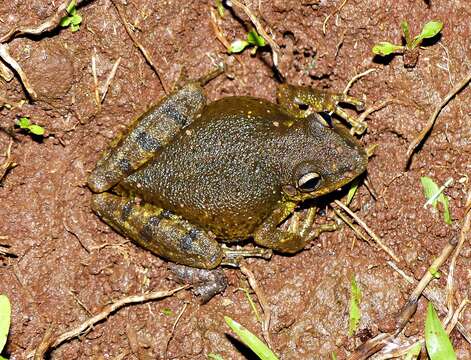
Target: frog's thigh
(146,136)
(268,234)
(159,231)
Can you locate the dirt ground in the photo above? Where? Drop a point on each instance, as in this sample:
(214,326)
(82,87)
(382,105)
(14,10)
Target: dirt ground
(69,264)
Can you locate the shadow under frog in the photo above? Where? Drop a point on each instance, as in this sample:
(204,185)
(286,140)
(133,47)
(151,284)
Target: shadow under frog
(189,175)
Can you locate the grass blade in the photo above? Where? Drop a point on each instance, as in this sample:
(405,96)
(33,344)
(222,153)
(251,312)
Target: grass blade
(436,339)
(250,340)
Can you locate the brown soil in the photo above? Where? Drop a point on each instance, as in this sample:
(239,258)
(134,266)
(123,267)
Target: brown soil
(69,264)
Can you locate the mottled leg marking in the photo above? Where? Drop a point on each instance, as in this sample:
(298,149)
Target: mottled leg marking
(147,135)
(159,231)
(292,98)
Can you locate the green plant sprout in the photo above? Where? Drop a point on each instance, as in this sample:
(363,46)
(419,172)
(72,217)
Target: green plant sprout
(254,343)
(73,19)
(5,319)
(34,129)
(434,195)
(354,314)
(430,29)
(253,39)
(436,339)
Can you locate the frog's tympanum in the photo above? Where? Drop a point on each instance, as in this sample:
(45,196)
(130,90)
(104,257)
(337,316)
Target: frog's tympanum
(188,174)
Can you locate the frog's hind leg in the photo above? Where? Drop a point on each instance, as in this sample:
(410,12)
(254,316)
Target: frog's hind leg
(146,136)
(159,231)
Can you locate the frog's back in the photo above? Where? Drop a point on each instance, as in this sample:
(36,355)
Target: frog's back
(222,171)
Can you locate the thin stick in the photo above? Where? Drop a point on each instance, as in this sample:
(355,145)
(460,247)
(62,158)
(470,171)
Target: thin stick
(356,77)
(430,296)
(95,81)
(431,121)
(324,25)
(139,46)
(276,51)
(173,329)
(5,56)
(456,315)
(109,79)
(88,324)
(217,30)
(50,24)
(263,303)
(44,345)
(368,230)
(350,224)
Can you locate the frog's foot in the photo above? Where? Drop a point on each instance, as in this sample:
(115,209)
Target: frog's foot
(205,283)
(159,231)
(303,101)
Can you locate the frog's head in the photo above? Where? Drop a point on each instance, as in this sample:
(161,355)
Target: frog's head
(327,158)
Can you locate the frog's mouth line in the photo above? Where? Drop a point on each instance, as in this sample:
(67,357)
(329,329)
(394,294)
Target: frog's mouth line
(337,185)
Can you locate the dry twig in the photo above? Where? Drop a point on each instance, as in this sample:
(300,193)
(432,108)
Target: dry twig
(368,230)
(356,77)
(5,56)
(88,324)
(109,79)
(431,121)
(324,25)
(263,303)
(50,24)
(173,329)
(139,46)
(8,163)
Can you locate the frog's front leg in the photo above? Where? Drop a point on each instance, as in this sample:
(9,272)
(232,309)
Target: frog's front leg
(146,135)
(296,237)
(159,231)
(295,98)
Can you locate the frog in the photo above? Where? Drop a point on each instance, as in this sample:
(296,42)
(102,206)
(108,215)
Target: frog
(190,175)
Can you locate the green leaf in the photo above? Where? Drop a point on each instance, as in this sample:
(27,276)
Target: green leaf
(334,357)
(71,6)
(436,339)
(431,190)
(354,314)
(429,30)
(74,28)
(254,38)
(220,8)
(386,48)
(76,19)
(65,21)
(434,272)
(237,46)
(352,191)
(434,194)
(167,312)
(5,315)
(2,358)
(215,356)
(24,122)
(250,340)
(405,30)
(413,352)
(36,130)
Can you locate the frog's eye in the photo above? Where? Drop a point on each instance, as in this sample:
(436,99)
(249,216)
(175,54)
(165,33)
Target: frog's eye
(309,181)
